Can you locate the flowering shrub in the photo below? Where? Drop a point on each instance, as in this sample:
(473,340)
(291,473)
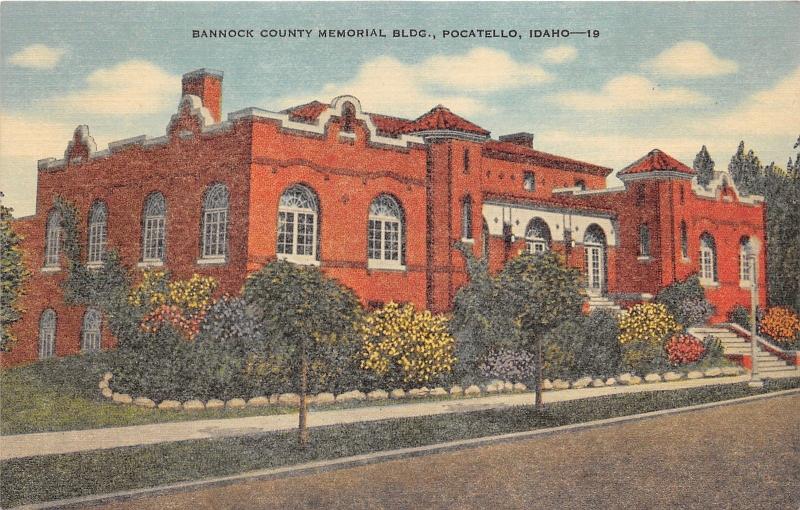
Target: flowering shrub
(649,323)
(402,345)
(181,303)
(643,330)
(781,324)
(694,312)
(684,349)
(508,365)
(686,302)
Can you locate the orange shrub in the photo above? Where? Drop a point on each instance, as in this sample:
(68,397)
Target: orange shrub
(780,323)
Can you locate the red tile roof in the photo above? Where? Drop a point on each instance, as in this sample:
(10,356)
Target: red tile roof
(306,112)
(507,150)
(440,118)
(389,126)
(655,161)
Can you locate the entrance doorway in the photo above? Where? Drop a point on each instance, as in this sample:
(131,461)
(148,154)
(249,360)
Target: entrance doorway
(594,243)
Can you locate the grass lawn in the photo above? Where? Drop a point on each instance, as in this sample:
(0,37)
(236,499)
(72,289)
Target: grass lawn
(53,477)
(62,394)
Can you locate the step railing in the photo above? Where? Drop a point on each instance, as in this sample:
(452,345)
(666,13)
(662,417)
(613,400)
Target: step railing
(792,357)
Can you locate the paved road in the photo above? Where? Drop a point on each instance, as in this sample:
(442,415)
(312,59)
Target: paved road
(47,443)
(740,456)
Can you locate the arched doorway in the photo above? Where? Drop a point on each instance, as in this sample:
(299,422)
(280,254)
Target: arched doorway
(594,245)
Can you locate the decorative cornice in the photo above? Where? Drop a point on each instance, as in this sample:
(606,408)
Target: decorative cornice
(285,163)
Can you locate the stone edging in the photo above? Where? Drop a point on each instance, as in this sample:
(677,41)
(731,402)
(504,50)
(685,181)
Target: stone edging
(494,387)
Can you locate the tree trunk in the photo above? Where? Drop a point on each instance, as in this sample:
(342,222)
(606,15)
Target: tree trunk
(302,432)
(539,368)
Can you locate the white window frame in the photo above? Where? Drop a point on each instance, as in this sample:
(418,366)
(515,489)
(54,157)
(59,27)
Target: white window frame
(385,234)
(644,241)
(214,235)
(466,218)
(537,240)
(91,331)
(154,230)
(708,262)
(684,240)
(53,234)
(297,208)
(98,234)
(529,181)
(745,264)
(48,322)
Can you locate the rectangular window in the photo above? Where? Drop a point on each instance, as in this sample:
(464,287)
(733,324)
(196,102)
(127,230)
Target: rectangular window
(285,232)
(375,241)
(391,241)
(153,239)
(53,249)
(466,161)
(305,234)
(97,241)
(529,181)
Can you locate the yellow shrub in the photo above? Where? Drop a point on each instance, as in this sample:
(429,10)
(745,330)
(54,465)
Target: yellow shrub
(403,345)
(192,295)
(780,323)
(151,291)
(647,323)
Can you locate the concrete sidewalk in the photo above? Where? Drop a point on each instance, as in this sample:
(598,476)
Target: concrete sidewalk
(48,443)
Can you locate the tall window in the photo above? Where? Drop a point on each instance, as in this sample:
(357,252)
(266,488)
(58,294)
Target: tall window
(52,250)
(537,236)
(466,218)
(385,232)
(98,232)
(745,265)
(644,241)
(154,228)
(684,241)
(91,334)
(640,195)
(466,161)
(215,222)
(348,117)
(485,240)
(47,334)
(708,259)
(298,215)
(529,181)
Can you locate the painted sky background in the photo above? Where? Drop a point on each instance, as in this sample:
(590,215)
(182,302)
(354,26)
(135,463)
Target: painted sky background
(668,75)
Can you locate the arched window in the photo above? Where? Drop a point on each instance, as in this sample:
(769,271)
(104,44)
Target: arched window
(529,181)
(154,228)
(98,232)
(644,241)
(745,263)
(537,236)
(348,117)
(485,240)
(682,193)
(91,334)
(580,183)
(52,250)
(298,215)
(466,218)
(215,222)
(684,241)
(385,232)
(466,160)
(47,334)
(708,259)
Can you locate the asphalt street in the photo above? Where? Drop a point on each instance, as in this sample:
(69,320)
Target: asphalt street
(739,456)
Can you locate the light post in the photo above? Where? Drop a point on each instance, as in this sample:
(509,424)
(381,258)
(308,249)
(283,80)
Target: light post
(752,257)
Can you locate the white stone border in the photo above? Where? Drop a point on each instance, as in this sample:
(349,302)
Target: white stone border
(493,387)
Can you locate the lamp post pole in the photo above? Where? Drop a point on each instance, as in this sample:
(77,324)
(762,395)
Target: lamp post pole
(755,378)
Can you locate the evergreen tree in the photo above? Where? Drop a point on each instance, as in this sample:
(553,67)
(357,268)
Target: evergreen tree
(14,274)
(703,166)
(747,171)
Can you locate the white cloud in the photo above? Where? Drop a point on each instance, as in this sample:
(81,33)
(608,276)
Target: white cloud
(37,56)
(630,92)
(689,59)
(387,85)
(135,87)
(559,54)
(774,111)
(481,70)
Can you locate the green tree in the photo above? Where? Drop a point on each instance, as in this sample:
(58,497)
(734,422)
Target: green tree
(303,311)
(14,274)
(703,166)
(747,172)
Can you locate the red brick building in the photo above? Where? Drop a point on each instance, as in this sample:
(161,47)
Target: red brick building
(377,202)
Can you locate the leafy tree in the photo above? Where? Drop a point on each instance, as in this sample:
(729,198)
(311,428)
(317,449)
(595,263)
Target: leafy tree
(303,311)
(588,345)
(703,166)
(14,273)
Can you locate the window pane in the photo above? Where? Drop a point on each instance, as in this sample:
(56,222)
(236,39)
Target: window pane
(391,240)
(305,234)
(285,232)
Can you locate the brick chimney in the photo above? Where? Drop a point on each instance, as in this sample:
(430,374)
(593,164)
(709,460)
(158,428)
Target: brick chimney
(523,139)
(207,85)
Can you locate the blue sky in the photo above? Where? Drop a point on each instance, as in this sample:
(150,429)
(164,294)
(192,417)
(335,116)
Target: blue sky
(668,75)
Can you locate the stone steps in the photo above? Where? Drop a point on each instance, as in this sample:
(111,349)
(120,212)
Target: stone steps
(768,364)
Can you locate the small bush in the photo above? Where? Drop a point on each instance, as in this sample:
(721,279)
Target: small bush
(508,365)
(714,351)
(587,345)
(781,324)
(739,315)
(404,347)
(686,302)
(684,349)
